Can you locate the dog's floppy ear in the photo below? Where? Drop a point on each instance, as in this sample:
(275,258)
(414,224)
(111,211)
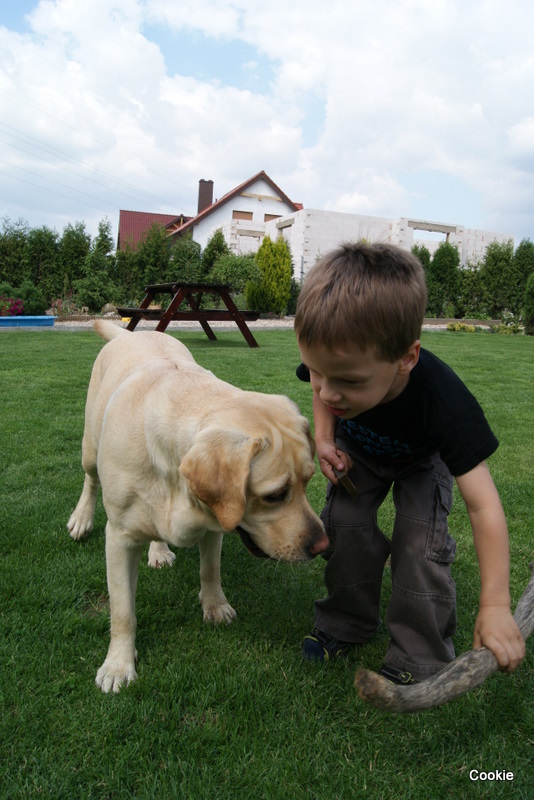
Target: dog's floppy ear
(217,468)
(309,437)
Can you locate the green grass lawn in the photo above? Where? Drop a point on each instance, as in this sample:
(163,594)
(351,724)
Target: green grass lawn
(229,712)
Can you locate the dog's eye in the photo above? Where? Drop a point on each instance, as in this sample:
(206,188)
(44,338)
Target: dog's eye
(277,497)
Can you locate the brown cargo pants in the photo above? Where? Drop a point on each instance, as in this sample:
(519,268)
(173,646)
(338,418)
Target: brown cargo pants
(421,617)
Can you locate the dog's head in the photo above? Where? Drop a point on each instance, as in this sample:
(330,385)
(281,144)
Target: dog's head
(252,475)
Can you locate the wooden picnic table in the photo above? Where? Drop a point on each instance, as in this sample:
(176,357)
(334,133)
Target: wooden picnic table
(191,293)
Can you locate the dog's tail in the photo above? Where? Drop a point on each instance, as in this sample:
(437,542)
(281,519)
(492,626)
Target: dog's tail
(108,330)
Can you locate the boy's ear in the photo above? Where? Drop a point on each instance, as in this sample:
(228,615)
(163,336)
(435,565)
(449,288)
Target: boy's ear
(408,362)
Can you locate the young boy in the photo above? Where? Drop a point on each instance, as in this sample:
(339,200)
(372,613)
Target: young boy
(392,414)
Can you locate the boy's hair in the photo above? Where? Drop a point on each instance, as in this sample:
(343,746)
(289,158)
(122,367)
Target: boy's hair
(363,295)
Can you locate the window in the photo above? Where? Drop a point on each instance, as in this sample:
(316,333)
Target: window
(242,215)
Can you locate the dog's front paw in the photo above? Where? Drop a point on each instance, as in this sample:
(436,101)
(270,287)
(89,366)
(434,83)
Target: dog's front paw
(159,555)
(217,610)
(218,614)
(80,524)
(112,676)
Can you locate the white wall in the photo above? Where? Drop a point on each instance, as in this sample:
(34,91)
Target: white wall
(311,233)
(242,235)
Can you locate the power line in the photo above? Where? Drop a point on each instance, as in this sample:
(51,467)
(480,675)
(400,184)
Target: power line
(51,150)
(59,194)
(65,169)
(102,144)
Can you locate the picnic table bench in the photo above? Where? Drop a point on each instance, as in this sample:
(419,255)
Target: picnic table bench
(190,293)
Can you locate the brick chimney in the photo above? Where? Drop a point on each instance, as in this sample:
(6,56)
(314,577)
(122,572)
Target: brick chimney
(205,194)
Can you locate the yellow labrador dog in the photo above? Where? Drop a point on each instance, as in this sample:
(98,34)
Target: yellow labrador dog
(183,457)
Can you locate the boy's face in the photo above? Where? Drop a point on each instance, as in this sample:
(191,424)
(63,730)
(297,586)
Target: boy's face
(350,381)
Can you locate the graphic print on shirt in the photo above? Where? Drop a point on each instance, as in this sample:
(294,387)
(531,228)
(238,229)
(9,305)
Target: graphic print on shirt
(376,445)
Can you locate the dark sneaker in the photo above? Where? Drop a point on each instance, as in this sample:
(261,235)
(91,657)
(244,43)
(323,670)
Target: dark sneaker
(319,646)
(395,675)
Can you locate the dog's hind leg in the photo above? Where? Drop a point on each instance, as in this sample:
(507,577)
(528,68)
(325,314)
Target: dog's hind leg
(81,519)
(122,561)
(215,606)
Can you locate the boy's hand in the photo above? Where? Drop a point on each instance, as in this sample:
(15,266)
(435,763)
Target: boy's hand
(331,458)
(496,629)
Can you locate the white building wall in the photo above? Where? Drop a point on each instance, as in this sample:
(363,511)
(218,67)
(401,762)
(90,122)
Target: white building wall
(472,243)
(311,233)
(242,235)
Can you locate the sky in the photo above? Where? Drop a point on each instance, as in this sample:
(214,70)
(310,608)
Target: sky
(396,108)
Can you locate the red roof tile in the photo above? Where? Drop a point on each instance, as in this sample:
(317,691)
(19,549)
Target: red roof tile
(133,225)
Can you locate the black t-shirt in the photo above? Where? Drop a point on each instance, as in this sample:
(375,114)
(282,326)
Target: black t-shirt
(434,413)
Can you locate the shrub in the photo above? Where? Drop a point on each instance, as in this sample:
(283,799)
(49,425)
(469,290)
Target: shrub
(7,289)
(33,298)
(216,247)
(29,297)
(510,324)
(272,291)
(293,297)
(257,297)
(461,327)
(235,270)
(506,330)
(10,306)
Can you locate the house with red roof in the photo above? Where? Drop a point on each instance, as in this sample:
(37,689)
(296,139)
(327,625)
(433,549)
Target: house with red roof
(242,214)
(258,207)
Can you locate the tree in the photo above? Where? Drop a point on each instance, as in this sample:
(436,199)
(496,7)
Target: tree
(523,268)
(528,306)
(74,247)
(471,292)
(12,244)
(498,278)
(185,260)
(422,252)
(41,261)
(129,277)
(153,256)
(281,274)
(97,288)
(272,291)
(215,248)
(443,280)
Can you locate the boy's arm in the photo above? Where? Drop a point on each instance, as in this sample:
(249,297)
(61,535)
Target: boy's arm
(495,627)
(327,452)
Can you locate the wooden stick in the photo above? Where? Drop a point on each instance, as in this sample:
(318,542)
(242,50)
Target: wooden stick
(460,676)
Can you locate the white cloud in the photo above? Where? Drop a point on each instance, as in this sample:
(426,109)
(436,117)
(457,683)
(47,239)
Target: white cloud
(521,138)
(364,102)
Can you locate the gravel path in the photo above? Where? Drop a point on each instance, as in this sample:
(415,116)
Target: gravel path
(275,324)
(147,325)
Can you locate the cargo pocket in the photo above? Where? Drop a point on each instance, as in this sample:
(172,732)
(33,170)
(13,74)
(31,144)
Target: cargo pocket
(326,518)
(440,546)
